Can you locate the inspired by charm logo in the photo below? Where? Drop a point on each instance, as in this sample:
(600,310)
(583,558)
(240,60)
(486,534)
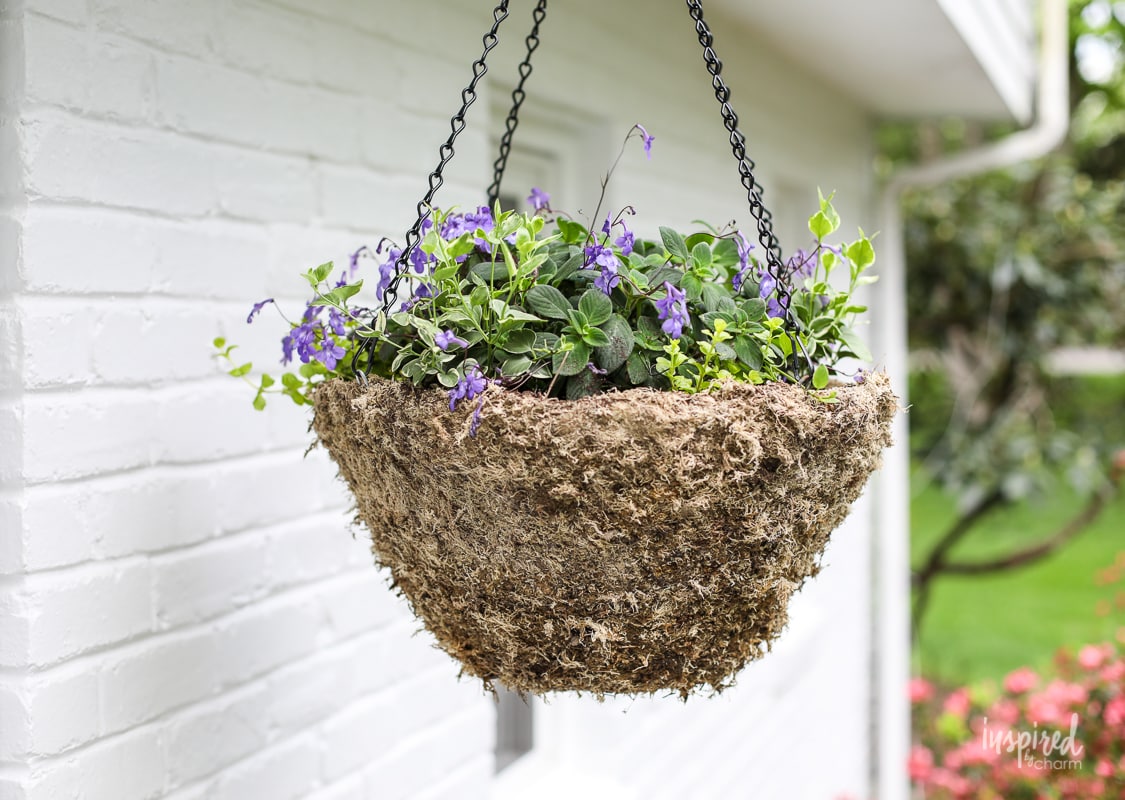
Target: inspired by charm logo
(1035,748)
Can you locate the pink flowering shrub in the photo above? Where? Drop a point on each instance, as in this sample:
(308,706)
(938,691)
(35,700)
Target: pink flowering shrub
(1039,736)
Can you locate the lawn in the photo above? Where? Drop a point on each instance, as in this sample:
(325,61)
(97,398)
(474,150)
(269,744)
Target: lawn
(983,627)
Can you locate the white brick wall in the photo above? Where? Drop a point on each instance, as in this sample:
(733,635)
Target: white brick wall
(183,612)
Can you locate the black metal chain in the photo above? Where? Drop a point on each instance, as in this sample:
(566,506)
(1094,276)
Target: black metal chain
(518,95)
(758,210)
(456,124)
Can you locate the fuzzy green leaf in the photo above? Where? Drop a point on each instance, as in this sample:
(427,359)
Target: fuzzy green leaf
(675,244)
(548,301)
(596,306)
(612,355)
(573,361)
(820,377)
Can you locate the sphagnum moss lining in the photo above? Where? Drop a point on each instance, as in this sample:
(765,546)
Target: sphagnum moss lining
(631,542)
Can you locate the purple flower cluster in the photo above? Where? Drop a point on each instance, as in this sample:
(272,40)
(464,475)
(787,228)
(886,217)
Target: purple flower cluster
(601,255)
(672,311)
(445,339)
(468,387)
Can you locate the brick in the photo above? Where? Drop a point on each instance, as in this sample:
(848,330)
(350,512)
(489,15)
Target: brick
(313,549)
(85,608)
(126,767)
(76,434)
(121,80)
(270,634)
(63,705)
(153,677)
(11,443)
(12,557)
(186,26)
(12,57)
(135,345)
(57,342)
(15,627)
(87,251)
(360,602)
(11,349)
(208,580)
(208,738)
(11,787)
(354,61)
(73,11)
(267,188)
(408,769)
(348,788)
(365,200)
(11,278)
(56,63)
(355,737)
(211,259)
(263,39)
(310,690)
(69,159)
(15,733)
(285,772)
(469,781)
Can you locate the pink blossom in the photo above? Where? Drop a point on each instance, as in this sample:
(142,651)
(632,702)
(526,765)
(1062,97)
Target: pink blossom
(1113,672)
(920,690)
(1020,681)
(1104,768)
(1092,656)
(920,764)
(1115,712)
(957,703)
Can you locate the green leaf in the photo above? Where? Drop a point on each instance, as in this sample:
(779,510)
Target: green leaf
(449,378)
(637,367)
(820,225)
(219,343)
(725,253)
(583,384)
(698,238)
(596,306)
(755,309)
(713,295)
(290,381)
(861,253)
(820,377)
(693,286)
(259,402)
(520,341)
(701,256)
(855,344)
(675,244)
(569,267)
(613,354)
(238,372)
(748,351)
(322,272)
(573,361)
(267,381)
(516,365)
(572,232)
(595,337)
(548,301)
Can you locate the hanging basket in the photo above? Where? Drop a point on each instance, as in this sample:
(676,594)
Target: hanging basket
(630,542)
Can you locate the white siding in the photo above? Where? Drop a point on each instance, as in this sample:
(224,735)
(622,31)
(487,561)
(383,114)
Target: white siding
(183,612)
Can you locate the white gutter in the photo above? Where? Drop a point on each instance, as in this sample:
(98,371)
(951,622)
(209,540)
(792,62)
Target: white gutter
(892,485)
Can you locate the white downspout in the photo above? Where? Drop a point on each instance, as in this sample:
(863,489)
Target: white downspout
(892,484)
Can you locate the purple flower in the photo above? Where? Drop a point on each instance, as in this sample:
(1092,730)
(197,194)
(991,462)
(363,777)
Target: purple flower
(353,262)
(775,309)
(602,256)
(257,309)
(625,242)
(539,199)
(474,426)
(468,387)
(342,282)
(420,260)
(302,340)
(744,248)
(595,369)
(648,140)
(336,322)
(423,290)
(606,226)
(446,338)
(673,311)
(329,353)
(801,264)
(387,272)
(766,284)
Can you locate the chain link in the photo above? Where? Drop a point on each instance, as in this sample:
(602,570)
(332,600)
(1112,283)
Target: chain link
(456,125)
(518,95)
(761,214)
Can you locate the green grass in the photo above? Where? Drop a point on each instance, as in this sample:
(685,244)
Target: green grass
(982,627)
